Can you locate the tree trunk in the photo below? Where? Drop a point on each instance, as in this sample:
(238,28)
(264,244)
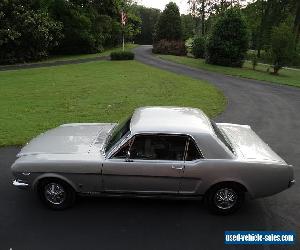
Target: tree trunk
(203,17)
(276,71)
(265,9)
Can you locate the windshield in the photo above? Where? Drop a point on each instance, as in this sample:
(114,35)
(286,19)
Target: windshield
(221,136)
(118,132)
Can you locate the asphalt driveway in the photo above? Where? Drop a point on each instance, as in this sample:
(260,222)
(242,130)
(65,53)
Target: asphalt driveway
(271,110)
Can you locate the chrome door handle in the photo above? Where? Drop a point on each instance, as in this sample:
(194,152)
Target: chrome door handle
(177,168)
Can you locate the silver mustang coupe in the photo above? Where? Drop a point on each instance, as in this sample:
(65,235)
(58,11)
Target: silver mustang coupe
(157,152)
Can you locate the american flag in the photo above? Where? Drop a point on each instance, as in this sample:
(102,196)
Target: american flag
(123,18)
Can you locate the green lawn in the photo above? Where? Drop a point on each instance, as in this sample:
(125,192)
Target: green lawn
(34,100)
(286,76)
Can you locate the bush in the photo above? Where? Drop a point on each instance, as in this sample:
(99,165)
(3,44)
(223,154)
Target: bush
(174,47)
(122,55)
(228,42)
(282,44)
(198,47)
(188,44)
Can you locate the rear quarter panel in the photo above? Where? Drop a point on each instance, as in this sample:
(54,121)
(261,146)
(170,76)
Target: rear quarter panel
(260,179)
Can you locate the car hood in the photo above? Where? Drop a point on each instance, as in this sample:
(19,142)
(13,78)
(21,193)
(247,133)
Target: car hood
(69,139)
(248,145)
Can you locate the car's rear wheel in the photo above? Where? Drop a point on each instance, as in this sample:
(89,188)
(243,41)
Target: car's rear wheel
(56,194)
(225,198)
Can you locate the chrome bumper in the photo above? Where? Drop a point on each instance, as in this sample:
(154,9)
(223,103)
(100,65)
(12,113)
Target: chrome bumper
(20,184)
(292,182)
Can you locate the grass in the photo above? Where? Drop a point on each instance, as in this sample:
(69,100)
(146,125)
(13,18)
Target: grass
(286,76)
(34,100)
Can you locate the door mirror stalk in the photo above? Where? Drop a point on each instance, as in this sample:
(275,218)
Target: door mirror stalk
(128,157)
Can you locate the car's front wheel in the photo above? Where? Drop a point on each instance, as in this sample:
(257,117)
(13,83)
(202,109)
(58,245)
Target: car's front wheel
(225,198)
(56,194)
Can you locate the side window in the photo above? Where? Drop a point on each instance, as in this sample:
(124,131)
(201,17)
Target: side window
(122,152)
(158,147)
(192,152)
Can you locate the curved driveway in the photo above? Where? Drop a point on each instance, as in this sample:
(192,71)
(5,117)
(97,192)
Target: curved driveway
(271,110)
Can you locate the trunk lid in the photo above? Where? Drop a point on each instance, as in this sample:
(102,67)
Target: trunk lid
(69,139)
(247,144)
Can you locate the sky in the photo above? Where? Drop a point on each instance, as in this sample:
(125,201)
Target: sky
(160,4)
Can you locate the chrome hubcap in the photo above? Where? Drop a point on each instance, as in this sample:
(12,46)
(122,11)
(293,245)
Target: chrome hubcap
(55,193)
(225,198)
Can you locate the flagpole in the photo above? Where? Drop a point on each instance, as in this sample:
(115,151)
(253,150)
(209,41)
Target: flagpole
(123,22)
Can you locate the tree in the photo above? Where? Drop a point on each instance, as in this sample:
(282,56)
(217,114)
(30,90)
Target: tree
(31,29)
(202,10)
(282,44)
(149,17)
(168,32)
(77,28)
(262,16)
(228,42)
(199,10)
(88,26)
(253,16)
(296,27)
(133,24)
(26,34)
(169,24)
(188,26)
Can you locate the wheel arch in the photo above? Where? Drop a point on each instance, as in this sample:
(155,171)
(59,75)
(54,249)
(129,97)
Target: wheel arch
(243,187)
(53,176)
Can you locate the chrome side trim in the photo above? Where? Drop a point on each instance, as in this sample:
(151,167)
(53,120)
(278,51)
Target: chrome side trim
(175,196)
(20,184)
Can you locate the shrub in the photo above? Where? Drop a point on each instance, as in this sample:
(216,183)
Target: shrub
(228,42)
(188,44)
(282,44)
(170,47)
(121,55)
(198,47)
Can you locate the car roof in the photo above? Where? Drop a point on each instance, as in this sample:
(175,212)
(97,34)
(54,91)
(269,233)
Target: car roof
(170,120)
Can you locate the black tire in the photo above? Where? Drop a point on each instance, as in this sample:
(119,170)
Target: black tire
(235,198)
(56,194)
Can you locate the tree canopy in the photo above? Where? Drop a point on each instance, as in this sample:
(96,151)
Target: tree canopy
(149,17)
(228,42)
(26,33)
(169,24)
(32,29)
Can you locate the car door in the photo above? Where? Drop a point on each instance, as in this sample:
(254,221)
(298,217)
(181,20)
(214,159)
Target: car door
(154,165)
(193,165)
